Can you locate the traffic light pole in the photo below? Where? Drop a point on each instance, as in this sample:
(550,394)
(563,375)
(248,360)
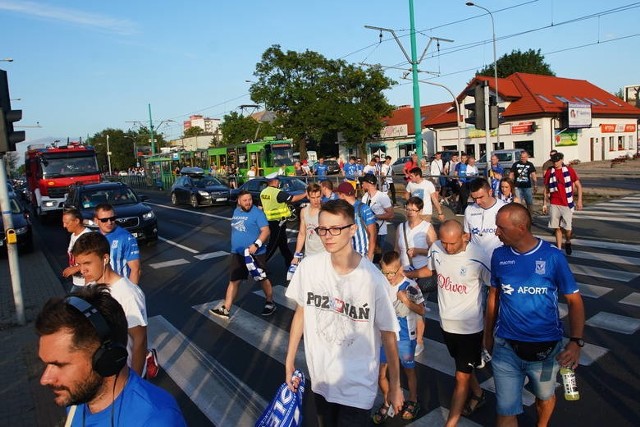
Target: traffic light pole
(10,241)
(487,129)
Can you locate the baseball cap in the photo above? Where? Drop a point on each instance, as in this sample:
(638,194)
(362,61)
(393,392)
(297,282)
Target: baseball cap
(368,178)
(557,157)
(346,189)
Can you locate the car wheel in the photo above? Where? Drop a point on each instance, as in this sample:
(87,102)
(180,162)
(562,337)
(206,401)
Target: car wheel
(174,199)
(194,201)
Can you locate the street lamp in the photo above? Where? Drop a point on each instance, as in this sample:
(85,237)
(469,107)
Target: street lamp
(495,62)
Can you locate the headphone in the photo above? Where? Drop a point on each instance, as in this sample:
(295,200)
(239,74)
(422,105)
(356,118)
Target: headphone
(110,357)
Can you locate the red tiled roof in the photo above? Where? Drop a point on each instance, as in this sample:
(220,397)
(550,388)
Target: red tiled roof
(404,115)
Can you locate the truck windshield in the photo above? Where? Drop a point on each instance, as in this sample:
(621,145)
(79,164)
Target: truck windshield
(60,165)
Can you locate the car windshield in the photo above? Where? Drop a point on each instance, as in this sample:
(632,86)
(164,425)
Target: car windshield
(205,182)
(113,196)
(292,185)
(15,206)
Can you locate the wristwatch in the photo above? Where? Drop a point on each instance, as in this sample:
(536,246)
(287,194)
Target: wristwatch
(578,341)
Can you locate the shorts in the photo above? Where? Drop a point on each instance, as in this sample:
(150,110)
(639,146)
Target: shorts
(406,351)
(465,349)
(560,217)
(525,194)
(509,372)
(238,268)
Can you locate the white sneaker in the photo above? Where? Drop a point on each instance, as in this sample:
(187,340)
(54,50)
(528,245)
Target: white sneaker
(419,349)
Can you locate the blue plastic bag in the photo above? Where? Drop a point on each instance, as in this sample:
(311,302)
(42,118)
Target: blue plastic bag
(285,410)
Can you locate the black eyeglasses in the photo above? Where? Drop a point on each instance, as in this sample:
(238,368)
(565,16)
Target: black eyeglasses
(334,231)
(108,219)
(411,210)
(391,273)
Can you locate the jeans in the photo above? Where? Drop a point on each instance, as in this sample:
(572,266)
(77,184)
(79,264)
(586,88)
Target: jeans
(525,194)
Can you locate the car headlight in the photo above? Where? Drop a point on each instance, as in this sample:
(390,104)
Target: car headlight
(22,230)
(203,193)
(148,215)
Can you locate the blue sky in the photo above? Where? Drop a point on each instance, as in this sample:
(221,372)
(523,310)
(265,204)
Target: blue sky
(80,67)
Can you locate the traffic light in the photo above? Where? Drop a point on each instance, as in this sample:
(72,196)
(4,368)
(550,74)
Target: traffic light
(476,115)
(495,113)
(8,137)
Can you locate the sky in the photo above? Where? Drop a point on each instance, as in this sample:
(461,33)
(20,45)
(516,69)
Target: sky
(81,67)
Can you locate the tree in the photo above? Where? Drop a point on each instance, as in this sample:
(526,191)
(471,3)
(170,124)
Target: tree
(314,97)
(123,146)
(531,62)
(236,128)
(11,159)
(193,131)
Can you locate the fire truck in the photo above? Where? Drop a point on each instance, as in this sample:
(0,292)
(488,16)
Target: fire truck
(52,169)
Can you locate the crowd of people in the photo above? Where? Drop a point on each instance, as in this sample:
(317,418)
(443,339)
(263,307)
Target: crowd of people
(360,279)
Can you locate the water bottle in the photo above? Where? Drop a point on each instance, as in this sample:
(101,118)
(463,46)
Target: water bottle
(485,357)
(290,271)
(569,383)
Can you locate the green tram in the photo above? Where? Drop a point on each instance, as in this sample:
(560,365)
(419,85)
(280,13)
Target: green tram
(267,156)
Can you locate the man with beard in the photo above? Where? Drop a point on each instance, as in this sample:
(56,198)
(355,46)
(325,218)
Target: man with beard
(249,233)
(82,345)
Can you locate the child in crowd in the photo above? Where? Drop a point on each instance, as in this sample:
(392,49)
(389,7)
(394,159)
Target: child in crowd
(408,303)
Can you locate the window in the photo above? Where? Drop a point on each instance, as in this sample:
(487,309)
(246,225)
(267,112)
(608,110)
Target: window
(621,143)
(612,146)
(545,99)
(615,102)
(525,145)
(498,146)
(630,142)
(561,98)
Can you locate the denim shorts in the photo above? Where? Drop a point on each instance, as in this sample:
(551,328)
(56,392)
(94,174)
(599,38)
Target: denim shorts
(406,351)
(525,195)
(509,372)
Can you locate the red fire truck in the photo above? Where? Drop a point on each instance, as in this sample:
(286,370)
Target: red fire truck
(50,170)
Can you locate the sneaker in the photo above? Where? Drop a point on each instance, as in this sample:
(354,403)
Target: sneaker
(220,312)
(567,248)
(269,308)
(152,364)
(419,349)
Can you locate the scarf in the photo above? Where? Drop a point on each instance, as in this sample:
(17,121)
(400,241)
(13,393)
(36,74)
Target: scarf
(256,272)
(568,185)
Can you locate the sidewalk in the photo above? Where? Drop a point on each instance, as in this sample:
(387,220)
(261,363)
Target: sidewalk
(23,401)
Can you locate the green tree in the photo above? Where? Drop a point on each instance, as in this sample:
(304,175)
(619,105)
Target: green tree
(193,131)
(531,61)
(123,146)
(236,128)
(314,97)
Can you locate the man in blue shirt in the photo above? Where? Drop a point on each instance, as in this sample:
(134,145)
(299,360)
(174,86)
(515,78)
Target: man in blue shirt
(82,344)
(364,241)
(321,169)
(351,171)
(125,254)
(527,275)
(249,233)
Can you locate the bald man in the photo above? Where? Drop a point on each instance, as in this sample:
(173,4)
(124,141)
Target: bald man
(527,275)
(461,274)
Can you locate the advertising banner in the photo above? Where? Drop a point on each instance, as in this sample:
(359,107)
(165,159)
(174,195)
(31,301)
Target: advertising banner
(579,115)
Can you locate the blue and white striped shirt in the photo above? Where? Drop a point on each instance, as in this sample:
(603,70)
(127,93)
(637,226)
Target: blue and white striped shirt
(124,248)
(364,217)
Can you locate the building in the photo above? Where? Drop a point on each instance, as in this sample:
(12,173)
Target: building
(541,113)
(207,124)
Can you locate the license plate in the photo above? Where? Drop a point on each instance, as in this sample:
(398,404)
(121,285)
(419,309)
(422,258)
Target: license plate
(221,199)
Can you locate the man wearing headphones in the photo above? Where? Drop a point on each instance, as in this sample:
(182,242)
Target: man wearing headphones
(83,347)
(92,253)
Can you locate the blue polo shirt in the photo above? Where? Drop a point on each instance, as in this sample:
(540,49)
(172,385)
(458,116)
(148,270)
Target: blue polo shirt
(124,248)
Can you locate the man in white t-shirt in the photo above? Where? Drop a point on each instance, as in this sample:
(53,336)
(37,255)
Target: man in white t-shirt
(387,173)
(92,253)
(480,217)
(345,313)
(436,170)
(381,206)
(420,187)
(461,274)
(72,222)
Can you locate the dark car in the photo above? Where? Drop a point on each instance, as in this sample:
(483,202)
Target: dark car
(131,213)
(198,189)
(21,225)
(333,167)
(290,184)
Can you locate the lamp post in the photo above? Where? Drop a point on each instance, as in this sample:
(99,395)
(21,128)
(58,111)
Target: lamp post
(495,61)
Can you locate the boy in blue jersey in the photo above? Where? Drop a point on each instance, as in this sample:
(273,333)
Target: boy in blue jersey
(364,241)
(321,169)
(527,275)
(408,303)
(249,233)
(125,254)
(350,171)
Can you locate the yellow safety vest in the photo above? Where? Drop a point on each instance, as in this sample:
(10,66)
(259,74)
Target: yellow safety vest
(272,209)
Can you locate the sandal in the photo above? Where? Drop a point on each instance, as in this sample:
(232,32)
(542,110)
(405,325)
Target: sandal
(381,414)
(410,410)
(480,401)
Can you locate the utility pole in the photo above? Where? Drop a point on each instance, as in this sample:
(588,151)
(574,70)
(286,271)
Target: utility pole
(108,155)
(153,142)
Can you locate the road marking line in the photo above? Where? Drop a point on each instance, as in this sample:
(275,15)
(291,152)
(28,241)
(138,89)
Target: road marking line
(211,255)
(171,263)
(614,322)
(178,245)
(596,244)
(631,212)
(631,299)
(600,218)
(593,291)
(221,396)
(188,211)
(604,273)
(605,257)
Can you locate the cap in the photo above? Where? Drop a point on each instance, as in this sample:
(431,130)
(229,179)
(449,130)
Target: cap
(371,179)
(557,157)
(273,175)
(346,189)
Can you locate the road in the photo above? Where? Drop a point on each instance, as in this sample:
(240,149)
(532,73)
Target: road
(223,373)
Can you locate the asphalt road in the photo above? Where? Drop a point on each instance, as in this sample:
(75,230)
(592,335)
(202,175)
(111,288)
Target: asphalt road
(185,273)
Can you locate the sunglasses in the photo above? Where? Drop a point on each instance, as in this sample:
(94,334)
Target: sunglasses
(108,219)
